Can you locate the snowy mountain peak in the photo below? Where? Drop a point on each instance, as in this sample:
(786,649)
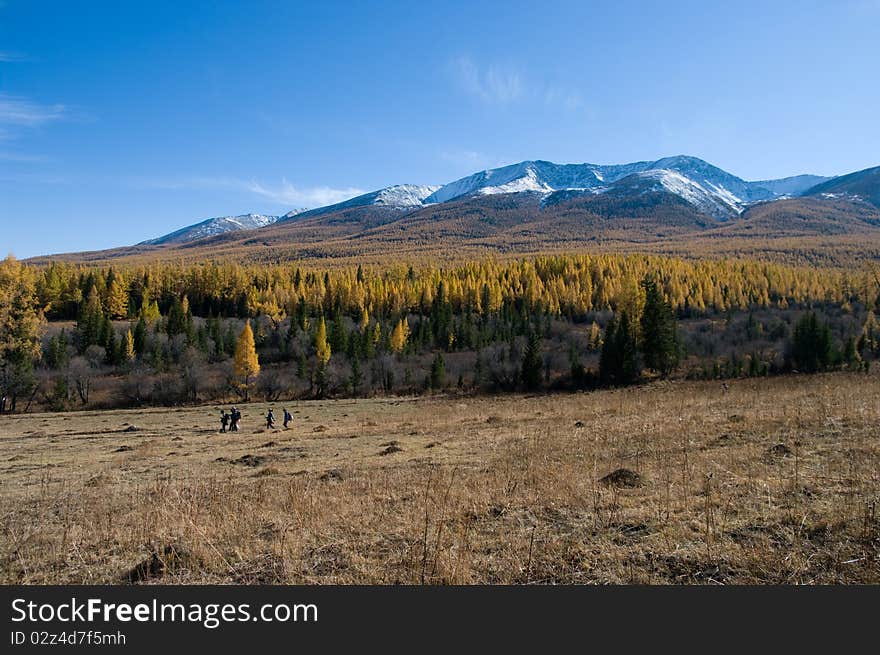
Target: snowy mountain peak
(404,195)
(212,227)
(709,198)
(708,187)
(397,197)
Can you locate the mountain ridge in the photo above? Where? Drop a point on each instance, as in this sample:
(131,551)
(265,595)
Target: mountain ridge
(538,204)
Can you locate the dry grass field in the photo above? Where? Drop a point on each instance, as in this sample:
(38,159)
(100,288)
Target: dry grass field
(774,481)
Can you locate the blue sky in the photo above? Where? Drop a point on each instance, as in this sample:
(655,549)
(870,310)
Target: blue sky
(121,121)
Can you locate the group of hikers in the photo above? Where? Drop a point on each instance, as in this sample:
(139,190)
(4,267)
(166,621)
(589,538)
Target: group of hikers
(232,420)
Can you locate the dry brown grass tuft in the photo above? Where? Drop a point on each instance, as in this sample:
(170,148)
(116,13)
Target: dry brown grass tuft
(775,481)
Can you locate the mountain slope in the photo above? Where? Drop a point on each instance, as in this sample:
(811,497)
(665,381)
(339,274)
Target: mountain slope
(212,227)
(680,205)
(862,185)
(707,187)
(397,197)
(791,186)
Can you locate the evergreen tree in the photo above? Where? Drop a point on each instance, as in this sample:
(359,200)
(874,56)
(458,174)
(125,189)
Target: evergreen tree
(851,355)
(530,371)
(90,322)
(618,363)
(660,344)
(338,337)
(811,347)
(438,372)
(356,377)
(140,336)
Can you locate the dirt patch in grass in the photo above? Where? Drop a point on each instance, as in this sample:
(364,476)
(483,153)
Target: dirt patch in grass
(622,477)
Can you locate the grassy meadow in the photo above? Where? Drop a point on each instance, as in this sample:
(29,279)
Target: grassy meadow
(758,481)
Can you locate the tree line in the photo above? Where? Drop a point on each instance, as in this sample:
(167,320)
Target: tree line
(208,329)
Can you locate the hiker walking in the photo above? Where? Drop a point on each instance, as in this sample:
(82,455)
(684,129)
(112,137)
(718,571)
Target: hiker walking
(270,420)
(287,418)
(235,417)
(224,420)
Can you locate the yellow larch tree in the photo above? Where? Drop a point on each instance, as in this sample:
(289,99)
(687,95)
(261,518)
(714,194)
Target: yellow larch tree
(247,362)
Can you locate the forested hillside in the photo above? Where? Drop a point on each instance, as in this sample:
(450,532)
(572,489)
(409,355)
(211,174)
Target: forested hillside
(75,335)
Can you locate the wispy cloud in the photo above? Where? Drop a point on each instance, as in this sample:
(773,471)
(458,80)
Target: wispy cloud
(491,85)
(21,157)
(506,86)
(288,194)
(22,112)
(7,57)
(283,193)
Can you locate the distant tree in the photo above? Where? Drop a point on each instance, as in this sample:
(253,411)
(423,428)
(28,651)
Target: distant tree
(180,319)
(323,350)
(618,363)
(128,352)
(399,335)
(595,338)
(140,336)
(149,310)
(357,376)
(438,372)
(90,324)
(530,371)
(660,343)
(811,346)
(246,363)
(851,356)
(322,354)
(20,324)
(338,337)
(116,298)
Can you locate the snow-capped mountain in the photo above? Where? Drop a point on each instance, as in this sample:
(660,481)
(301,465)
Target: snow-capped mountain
(212,227)
(792,186)
(707,187)
(715,201)
(398,197)
(861,186)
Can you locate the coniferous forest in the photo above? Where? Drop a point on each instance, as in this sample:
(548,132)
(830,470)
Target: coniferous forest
(74,336)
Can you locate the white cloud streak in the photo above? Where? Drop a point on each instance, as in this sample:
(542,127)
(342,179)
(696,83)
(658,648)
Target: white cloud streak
(492,85)
(284,193)
(495,86)
(21,112)
(289,194)
(20,157)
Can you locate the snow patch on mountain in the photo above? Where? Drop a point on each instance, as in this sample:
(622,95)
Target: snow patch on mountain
(716,200)
(212,227)
(397,197)
(791,186)
(404,195)
(698,181)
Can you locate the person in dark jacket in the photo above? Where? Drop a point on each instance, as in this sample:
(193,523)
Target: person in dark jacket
(287,418)
(224,421)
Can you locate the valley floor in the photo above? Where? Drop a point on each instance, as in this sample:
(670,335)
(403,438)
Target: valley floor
(770,481)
